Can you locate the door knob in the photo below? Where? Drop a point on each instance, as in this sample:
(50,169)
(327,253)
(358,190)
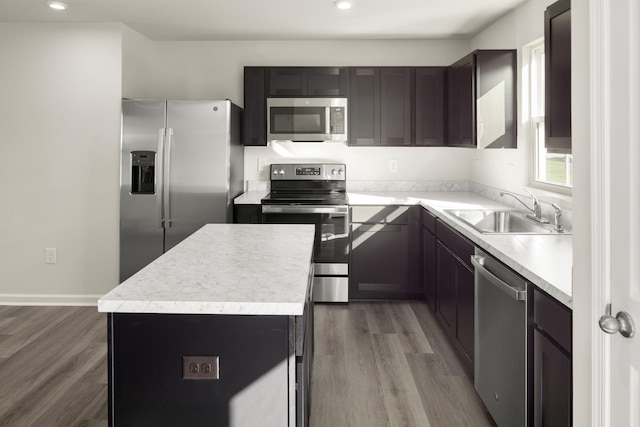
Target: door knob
(622,323)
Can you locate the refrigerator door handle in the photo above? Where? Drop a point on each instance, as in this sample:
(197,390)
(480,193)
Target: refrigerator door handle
(167,179)
(160,179)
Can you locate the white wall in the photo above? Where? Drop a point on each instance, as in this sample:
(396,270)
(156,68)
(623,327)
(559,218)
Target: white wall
(59,148)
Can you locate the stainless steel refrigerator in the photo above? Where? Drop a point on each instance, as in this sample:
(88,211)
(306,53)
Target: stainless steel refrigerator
(182,164)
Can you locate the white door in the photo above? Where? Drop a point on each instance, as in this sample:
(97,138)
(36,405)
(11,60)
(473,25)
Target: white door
(622,111)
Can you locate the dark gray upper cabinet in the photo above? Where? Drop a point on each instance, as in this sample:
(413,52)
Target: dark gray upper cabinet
(431,106)
(396,106)
(381,106)
(307,81)
(557,39)
(482,100)
(255,107)
(364,106)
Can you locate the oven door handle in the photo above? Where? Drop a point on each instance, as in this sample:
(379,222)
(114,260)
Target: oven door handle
(329,237)
(284,209)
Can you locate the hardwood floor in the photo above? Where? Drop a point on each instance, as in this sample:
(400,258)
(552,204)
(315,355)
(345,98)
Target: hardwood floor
(388,364)
(376,364)
(53,366)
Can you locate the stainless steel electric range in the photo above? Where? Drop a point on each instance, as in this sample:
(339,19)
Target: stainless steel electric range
(315,194)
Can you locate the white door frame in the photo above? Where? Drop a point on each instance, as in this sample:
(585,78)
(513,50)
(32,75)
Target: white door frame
(600,146)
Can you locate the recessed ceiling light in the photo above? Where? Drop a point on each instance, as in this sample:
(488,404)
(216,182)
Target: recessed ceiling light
(343,4)
(57,5)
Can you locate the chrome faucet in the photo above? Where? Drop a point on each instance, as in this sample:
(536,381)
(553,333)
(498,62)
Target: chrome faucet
(556,218)
(537,210)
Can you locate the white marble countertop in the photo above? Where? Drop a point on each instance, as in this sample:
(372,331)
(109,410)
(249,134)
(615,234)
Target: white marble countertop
(544,260)
(244,269)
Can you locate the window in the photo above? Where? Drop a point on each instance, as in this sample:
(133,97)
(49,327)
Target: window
(548,168)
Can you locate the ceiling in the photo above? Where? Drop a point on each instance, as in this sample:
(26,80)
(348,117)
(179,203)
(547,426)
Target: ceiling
(274,19)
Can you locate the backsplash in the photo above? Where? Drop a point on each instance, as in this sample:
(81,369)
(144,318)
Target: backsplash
(408,186)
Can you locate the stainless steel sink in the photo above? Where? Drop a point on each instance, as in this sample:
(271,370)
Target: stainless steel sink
(500,221)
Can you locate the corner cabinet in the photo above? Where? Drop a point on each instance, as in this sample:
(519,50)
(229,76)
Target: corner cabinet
(557,39)
(482,100)
(552,375)
(385,253)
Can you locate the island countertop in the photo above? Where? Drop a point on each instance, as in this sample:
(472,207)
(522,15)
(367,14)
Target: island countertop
(242,269)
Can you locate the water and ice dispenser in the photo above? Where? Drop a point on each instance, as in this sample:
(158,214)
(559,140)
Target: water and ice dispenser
(143,172)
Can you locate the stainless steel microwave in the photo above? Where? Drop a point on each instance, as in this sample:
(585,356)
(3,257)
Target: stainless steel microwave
(307,119)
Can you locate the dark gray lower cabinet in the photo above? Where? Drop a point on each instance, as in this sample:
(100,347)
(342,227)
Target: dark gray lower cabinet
(455,290)
(247,214)
(429,258)
(385,253)
(149,382)
(552,382)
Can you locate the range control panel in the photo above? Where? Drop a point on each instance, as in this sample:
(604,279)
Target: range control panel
(314,171)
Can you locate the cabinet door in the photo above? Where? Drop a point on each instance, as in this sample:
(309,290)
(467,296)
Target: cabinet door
(430,106)
(327,81)
(557,35)
(495,76)
(364,106)
(429,267)
(379,256)
(287,81)
(255,107)
(552,383)
(385,252)
(445,288)
(462,110)
(396,106)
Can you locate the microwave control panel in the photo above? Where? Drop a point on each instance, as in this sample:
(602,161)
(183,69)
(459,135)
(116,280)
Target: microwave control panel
(337,119)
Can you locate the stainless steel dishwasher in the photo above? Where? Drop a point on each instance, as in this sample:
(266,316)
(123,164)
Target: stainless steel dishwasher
(500,359)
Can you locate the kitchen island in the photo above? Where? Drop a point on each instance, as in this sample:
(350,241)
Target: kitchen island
(218,331)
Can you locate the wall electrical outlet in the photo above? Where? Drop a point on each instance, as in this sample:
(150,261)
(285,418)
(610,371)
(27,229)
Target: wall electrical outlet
(393,165)
(50,256)
(262,163)
(200,367)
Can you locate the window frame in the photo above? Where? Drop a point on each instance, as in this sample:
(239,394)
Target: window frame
(534,106)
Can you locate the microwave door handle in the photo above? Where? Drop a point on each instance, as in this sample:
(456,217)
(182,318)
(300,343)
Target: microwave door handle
(327,118)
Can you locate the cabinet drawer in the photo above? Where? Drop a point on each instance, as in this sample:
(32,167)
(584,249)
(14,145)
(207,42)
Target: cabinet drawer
(457,244)
(428,221)
(552,318)
(380,214)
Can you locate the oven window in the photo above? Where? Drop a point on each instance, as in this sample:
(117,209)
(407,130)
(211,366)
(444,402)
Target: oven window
(331,241)
(297,120)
